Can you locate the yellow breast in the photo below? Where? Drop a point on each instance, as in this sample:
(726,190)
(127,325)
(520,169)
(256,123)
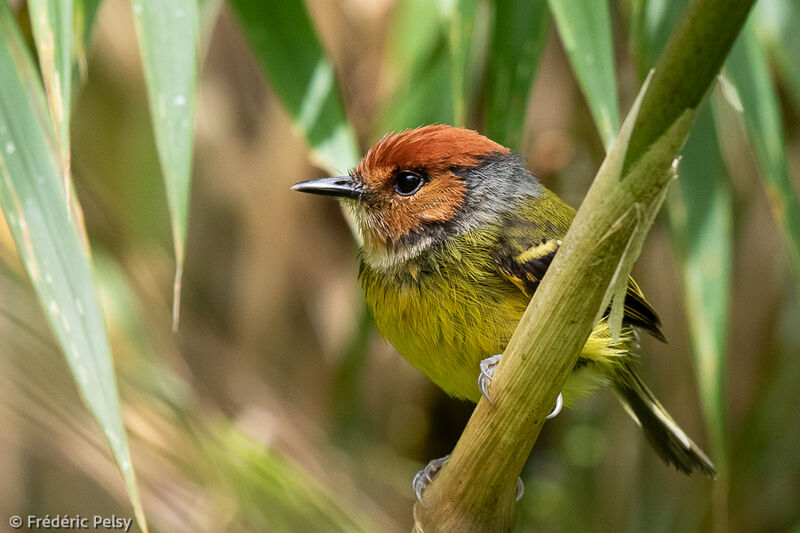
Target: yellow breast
(444,312)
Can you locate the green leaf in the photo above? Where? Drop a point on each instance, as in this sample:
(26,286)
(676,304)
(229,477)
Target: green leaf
(51,22)
(700,214)
(416,34)
(418,59)
(283,39)
(702,232)
(209,11)
(273,493)
(585,30)
(84,16)
(519,35)
(426,99)
(778,23)
(652,22)
(168,42)
(747,69)
(51,249)
(460,19)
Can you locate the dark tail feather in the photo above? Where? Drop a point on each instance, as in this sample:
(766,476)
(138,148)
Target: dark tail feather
(667,439)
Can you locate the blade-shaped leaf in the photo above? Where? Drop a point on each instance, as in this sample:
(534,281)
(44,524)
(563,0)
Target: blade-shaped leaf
(424,100)
(417,32)
(702,231)
(418,58)
(460,19)
(84,16)
(652,22)
(519,34)
(209,10)
(34,206)
(700,210)
(747,68)
(168,42)
(283,39)
(51,21)
(778,23)
(585,30)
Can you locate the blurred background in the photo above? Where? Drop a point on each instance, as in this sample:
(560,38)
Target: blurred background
(277,406)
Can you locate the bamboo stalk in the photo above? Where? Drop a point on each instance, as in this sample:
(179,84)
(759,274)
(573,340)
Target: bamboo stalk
(475,489)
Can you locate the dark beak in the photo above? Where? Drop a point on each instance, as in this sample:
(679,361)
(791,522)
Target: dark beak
(342,186)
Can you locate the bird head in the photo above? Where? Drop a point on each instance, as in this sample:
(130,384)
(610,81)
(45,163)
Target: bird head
(414,189)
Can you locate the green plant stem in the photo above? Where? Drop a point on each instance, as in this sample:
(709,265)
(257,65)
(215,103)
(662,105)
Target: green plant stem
(475,489)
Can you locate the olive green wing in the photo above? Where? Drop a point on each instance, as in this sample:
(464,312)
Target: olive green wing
(526,249)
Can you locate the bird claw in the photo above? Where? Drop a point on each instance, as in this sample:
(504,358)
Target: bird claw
(557,408)
(424,477)
(485,378)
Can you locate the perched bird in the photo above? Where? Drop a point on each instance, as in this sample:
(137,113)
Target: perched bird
(457,235)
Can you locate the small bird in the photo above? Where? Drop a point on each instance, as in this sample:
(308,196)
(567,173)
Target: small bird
(457,235)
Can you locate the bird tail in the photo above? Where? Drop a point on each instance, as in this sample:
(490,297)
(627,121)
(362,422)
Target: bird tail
(664,435)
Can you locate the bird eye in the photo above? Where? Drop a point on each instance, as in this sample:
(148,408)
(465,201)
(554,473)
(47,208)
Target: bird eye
(407,183)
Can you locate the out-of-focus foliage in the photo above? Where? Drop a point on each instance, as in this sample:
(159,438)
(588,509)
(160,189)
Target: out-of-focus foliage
(168,42)
(584,27)
(700,213)
(49,238)
(757,100)
(276,406)
(52,25)
(287,46)
(519,35)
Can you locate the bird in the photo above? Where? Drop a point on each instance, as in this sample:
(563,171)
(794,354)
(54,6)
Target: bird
(456,236)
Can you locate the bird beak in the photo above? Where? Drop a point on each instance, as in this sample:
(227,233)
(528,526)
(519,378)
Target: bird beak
(341,186)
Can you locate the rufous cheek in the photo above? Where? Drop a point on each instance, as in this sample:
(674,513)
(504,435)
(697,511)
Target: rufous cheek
(437,202)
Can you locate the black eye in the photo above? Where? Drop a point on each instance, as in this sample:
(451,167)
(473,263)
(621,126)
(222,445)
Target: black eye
(407,182)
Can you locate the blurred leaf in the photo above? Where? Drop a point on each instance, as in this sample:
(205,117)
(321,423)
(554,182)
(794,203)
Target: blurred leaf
(141,366)
(415,35)
(702,232)
(84,16)
(778,23)
(747,68)
(347,409)
(209,11)
(519,35)
(700,212)
(418,57)
(459,16)
(425,100)
(272,492)
(652,23)
(168,41)
(585,30)
(51,22)
(284,41)
(34,205)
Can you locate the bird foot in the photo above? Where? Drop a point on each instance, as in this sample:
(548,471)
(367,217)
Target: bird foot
(557,408)
(485,379)
(424,477)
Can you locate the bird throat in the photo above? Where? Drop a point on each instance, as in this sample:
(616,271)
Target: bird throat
(383,254)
